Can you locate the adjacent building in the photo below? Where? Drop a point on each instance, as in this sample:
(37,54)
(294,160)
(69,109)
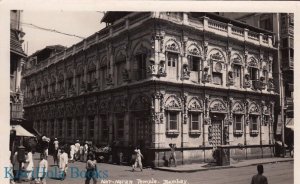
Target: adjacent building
(150,79)
(17,60)
(282,26)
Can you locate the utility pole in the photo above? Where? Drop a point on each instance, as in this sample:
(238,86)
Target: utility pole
(281,90)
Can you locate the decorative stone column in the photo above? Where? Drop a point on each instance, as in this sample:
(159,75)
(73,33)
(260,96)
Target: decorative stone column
(206,121)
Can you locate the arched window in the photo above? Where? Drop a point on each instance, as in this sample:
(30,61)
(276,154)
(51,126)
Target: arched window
(52,85)
(60,82)
(140,67)
(80,79)
(120,67)
(45,88)
(103,72)
(69,79)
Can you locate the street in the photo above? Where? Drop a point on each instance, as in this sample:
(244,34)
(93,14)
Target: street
(277,173)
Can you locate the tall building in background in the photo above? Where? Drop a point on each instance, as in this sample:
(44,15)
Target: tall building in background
(151,79)
(282,26)
(17,58)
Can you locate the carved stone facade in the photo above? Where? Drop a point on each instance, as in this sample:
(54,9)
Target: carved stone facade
(158,85)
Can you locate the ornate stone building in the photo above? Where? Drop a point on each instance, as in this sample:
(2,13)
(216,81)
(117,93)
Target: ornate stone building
(17,58)
(158,78)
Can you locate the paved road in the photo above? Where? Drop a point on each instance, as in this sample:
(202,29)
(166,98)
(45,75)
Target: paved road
(277,173)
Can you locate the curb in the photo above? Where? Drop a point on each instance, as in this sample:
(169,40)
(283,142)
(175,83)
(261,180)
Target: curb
(218,167)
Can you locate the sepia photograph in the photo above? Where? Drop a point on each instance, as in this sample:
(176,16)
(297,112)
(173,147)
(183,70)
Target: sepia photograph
(149,97)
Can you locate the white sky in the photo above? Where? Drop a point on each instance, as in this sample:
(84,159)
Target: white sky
(80,23)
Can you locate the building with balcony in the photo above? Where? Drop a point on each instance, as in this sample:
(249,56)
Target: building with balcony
(17,58)
(282,26)
(151,79)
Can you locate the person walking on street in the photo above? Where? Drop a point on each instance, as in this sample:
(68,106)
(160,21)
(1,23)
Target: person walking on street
(43,169)
(85,151)
(29,165)
(72,152)
(63,164)
(259,178)
(138,160)
(91,169)
(77,150)
(56,145)
(172,155)
(81,153)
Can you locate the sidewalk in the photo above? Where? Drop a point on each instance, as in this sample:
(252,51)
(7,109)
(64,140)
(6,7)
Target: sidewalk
(233,164)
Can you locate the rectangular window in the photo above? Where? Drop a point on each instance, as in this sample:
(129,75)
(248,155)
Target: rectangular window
(69,127)
(120,68)
(103,73)
(45,89)
(266,120)
(79,128)
(60,128)
(194,63)
(217,78)
(52,127)
(104,128)
(91,126)
(141,66)
(238,123)
(44,127)
(253,72)
(172,59)
(266,23)
(253,123)
(173,121)
(237,75)
(195,121)
(69,82)
(265,72)
(120,126)
(52,86)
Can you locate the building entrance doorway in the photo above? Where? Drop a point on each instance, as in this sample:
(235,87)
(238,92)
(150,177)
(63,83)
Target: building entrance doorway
(216,130)
(140,131)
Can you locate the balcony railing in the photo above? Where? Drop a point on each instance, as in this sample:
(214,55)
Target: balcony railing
(131,20)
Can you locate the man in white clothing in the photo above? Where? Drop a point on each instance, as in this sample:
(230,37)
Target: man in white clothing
(72,152)
(56,145)
(43,169)
(63,163)
(77,150)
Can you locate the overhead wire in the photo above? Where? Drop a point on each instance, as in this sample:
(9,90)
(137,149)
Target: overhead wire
(50,30)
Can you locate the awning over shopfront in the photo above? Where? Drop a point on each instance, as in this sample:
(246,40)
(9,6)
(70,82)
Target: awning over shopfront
(20,131)
(290,123)
(280,144)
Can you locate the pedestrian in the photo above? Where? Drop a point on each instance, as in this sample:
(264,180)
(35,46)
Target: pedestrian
(91,169)
(56,145)
(72,152)
(63,164)
(16,166)
(77,150)
(85,150)
(58,156)
(138,160)
(133,158)
(259,178)
(10,172)
(45,145)
(42,170)
(29,165)
(172,155)
(81,152)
